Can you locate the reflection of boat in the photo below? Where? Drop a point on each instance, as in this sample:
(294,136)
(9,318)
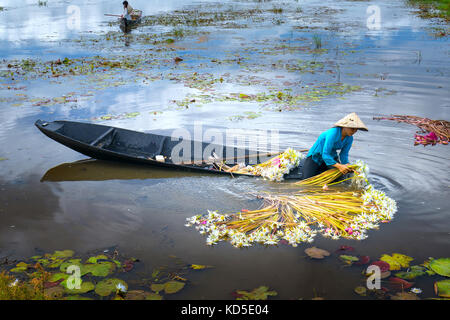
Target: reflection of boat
(111,143)
(127,25)
(99,170)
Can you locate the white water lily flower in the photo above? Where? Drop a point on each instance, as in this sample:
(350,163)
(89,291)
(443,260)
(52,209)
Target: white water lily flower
(416,290)
(376,207)
(121,287)
(14,283)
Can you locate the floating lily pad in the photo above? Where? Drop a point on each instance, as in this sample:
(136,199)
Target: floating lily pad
(361,291)
(62,254)
(54,292)
(426,264)
(260,293)
(55,263)
(316,253)
(85,286)
(400,284)
(77,262)
(363,260)
(101,269)
(77,297)
(442,288)
(384,266)
(397,261)
(20,267)
(199,266)
(412,273)
(173,286)
(153,296)
(106,287)
(99,257)
(58,276)
(348,259)
(135,295)
(405,296)
(142,295)
(441,266)
(43,262)
(118,264)
(128,265)
(157,287)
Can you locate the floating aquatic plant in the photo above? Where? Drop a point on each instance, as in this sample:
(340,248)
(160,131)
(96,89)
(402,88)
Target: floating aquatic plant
(359,177)
(299,217)
(274,169)
(438,131)
(260,293)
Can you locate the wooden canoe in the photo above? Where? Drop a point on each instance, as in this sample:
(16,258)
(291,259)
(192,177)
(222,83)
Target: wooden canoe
(127,25)
(117,144)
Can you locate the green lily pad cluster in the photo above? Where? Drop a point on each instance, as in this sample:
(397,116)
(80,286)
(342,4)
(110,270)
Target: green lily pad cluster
(61,271)
(62,275)
(260,293)
(408,273)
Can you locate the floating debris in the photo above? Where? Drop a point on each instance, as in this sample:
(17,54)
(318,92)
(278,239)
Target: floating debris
(316,253)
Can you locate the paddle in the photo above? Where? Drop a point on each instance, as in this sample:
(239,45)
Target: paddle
(112,15)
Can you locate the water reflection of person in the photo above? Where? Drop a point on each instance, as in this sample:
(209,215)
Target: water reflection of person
(323,154)
(126,16)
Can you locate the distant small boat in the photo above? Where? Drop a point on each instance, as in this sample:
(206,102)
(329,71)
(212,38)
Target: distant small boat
(127,25)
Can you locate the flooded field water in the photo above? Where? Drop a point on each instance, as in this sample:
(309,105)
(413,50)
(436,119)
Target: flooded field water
(323,59)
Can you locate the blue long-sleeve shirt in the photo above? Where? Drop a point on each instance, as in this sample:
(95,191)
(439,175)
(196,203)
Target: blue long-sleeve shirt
(326,146)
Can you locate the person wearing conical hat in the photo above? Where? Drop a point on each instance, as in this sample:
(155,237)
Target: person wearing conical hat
(323,154)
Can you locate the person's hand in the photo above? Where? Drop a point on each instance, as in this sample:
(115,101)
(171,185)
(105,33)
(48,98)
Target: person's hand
(342,168)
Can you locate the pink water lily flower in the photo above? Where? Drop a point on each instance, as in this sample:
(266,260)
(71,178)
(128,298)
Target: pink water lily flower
(276,161)
(427,139)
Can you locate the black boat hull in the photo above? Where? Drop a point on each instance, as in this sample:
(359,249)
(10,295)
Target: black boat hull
(117,144)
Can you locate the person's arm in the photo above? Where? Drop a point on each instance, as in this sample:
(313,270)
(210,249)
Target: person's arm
(345,150)
(327,150)
(330,138)
(343,168)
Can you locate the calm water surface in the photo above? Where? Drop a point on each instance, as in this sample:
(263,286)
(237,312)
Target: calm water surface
(48,202)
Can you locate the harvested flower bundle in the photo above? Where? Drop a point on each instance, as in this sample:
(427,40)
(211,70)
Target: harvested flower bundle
(274,169)
(359,179)
(299,217)
(438,131)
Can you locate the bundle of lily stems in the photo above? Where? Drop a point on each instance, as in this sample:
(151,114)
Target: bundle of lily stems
(438,131)
(298,217)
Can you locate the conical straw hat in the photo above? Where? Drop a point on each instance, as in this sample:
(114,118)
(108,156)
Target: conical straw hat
(351,121)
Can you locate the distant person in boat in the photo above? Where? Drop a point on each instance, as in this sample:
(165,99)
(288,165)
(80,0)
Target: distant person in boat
(323,154)
(127,9)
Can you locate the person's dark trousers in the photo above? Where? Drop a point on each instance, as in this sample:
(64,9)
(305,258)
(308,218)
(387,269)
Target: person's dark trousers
(311,168)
